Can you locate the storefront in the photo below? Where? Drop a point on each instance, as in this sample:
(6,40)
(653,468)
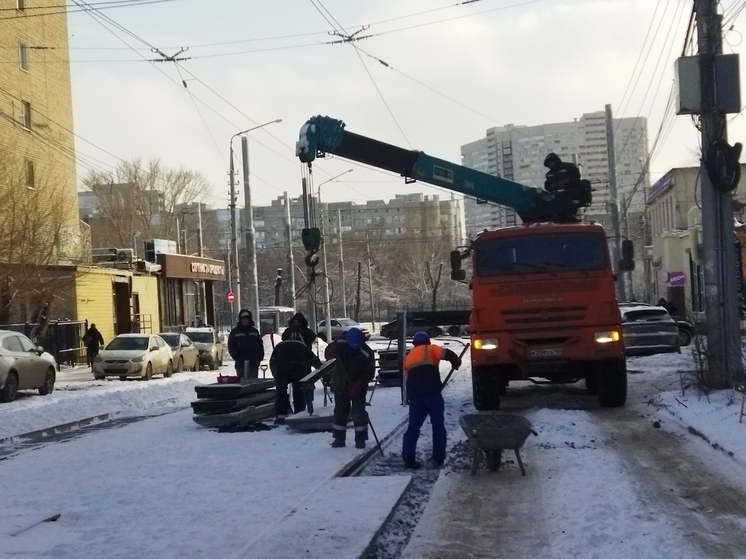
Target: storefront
(187,293)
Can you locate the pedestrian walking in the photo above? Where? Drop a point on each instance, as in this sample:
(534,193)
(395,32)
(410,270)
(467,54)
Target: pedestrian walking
(93,340)
(356,367)
(290,361)
(425,397)
(245,345)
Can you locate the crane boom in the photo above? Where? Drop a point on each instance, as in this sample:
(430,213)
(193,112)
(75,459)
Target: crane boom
(322,135)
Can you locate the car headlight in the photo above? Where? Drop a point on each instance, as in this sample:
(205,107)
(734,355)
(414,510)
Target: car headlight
(484,343)
(139,358)
(607,337)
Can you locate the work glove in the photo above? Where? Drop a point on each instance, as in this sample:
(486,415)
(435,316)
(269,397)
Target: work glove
(456,363)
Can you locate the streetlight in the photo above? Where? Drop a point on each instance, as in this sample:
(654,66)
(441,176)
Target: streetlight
(327,304)
(233,272)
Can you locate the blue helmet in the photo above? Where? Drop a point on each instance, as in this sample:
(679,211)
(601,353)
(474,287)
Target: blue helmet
(421,338)
(355,338)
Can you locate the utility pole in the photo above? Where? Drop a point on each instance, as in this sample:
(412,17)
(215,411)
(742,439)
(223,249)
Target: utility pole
(626,276)
(327,302)
(621,294)
(253,282)
(370,289)
(201,248)
(357,292)
(234,280)
(724,365)
(341,264)
(289,235)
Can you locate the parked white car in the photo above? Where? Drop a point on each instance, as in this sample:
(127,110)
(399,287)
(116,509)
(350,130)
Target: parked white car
(185,353)
(24,366)
(134,355)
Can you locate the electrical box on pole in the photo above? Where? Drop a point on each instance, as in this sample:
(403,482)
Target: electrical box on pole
(727,84)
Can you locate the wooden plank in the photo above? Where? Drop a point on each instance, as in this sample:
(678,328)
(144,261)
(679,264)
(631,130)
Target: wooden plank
(325,369)
(228,406)
(219,391)
(244,417)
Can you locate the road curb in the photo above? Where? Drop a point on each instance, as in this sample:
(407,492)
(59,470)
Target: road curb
(57,429)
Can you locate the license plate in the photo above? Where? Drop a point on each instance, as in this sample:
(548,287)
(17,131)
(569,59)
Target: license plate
(549,352)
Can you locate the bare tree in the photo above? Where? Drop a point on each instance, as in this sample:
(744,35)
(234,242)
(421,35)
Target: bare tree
(38,230)
(141,197)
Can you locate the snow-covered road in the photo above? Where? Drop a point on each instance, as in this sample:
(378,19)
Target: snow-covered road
(629,482)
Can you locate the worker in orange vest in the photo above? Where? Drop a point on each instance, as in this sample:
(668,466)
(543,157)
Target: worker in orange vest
(424,394)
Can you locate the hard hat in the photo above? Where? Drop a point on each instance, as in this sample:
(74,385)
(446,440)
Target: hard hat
(245,313)
(355,338)
(421,338)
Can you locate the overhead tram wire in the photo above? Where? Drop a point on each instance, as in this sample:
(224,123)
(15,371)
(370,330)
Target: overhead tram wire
(66,10)
(339,29)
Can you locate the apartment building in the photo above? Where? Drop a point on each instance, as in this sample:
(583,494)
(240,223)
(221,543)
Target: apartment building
(517,153)
(37,173)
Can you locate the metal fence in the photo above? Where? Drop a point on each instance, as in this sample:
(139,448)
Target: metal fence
(62,338)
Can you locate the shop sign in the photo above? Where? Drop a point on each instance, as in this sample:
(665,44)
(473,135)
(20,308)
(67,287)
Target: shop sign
(204,268)
(676,278)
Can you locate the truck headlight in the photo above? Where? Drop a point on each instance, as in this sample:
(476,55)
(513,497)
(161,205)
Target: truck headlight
(484,343)
(607,337)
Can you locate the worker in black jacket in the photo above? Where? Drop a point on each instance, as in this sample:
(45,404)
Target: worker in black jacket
(424,394)
(356,367)
(298,330)
(291,360)
(245,345)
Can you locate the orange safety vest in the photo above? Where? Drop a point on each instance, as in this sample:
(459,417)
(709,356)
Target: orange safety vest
(425,354)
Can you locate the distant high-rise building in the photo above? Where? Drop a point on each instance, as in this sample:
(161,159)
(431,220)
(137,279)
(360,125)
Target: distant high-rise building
(517,153)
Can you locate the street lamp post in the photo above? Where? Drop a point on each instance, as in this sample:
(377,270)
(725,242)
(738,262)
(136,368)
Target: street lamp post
(327,304)
(234,277)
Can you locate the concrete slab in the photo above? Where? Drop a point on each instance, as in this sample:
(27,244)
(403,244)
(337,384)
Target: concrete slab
(339,519)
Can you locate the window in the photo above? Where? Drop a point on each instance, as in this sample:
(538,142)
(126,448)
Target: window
(23,56)
(30,180)
(26,114)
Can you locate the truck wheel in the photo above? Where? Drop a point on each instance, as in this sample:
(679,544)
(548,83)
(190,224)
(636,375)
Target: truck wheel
(612,383)
(591,382)
(486,389)
(493,459)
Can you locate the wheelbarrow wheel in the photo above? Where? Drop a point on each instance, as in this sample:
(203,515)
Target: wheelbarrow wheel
(493,459)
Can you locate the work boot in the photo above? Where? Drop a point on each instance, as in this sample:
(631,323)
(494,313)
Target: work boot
(438,463)
(339,440)
(359,443)
(411,462)
(279,421)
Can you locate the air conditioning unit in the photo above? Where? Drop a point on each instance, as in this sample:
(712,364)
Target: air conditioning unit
(104,255)
(125,254)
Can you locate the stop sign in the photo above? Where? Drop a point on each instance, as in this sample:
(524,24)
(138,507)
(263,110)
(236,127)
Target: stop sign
(231,297)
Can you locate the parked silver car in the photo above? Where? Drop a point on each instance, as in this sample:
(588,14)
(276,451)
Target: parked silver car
(209,344)
(185,353)
(340,326)
(647,330)
(134,355)
(24,366)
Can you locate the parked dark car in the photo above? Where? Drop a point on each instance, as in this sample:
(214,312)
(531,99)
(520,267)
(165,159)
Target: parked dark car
(686,330)
(390,330)
(648,330)
(340,326)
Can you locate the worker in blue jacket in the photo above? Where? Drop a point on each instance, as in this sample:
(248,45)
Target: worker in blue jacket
(424,394)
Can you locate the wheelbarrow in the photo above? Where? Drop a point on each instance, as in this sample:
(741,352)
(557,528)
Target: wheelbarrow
(490,433)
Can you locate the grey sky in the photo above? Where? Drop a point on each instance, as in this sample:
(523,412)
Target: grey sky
(455,69)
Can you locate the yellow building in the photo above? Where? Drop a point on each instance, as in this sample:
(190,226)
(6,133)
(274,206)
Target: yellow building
(117,301)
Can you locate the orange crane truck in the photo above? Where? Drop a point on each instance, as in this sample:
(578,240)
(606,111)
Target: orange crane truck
(544,307)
